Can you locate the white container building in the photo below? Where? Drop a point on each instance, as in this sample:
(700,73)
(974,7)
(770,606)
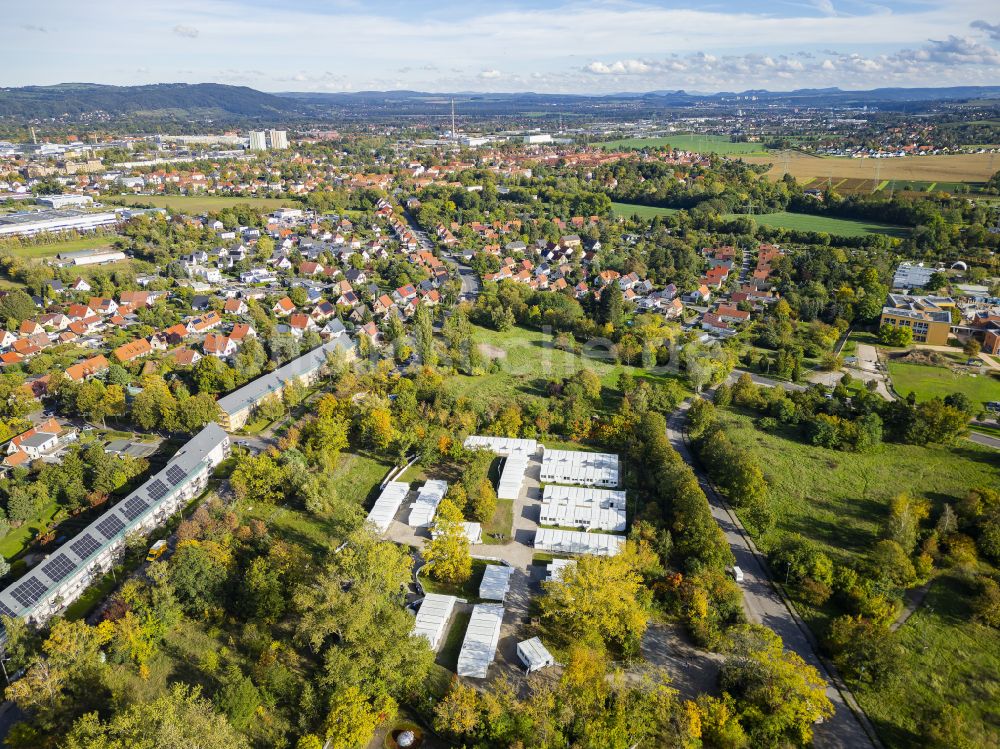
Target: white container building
(425,506)
(495,583)
(556,541)
(582,468)
(481,639)
(433,617)
(388,504)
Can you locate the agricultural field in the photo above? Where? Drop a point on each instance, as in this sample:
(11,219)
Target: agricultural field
(199,203)
(839,500)
(687,142)
(841,226)
(929,381)
(975,167)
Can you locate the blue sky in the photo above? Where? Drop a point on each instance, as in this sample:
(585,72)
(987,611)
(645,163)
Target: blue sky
(556,46)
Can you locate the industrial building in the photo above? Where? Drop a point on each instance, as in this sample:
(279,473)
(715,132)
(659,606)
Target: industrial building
(238,405)
(433,617)
(425,506)
(30,223)
(62,576)
(555,541)
(481,639)
(583,507)
(583,468)
(495,582)
(388,504)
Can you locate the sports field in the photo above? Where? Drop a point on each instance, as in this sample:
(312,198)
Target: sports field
(687,142)
(973,167)
(199,203)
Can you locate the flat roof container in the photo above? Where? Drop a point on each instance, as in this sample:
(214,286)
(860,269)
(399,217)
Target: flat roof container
(577,542)
(387,505)
(556,567)
(425,506)
(577,467)
(481,639)
(534,655)
(512,476)
(433,617)
(473,532)
(503,446)
(495,583)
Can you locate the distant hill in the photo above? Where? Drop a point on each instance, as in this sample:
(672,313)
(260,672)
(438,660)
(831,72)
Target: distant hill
(168,99)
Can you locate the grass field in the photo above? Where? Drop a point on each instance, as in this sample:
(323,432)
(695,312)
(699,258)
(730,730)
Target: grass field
(528,362)
(51,249)
(359,475)
(930,382)
(975,167)
(628,210)
(199,203)
(687,142)
(840,226)
(839,500)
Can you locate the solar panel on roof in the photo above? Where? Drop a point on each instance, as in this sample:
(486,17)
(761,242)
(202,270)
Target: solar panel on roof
(175,474)
(84,546)
(6,610)
(157,490)
(110,526)
(58,568)
(29,592)
(133,508)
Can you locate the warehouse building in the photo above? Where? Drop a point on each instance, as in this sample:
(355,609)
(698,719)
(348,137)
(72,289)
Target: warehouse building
(555,541)
(388,504)
(237,407)
(583,507)
(31,223)
(481,639)
(73,567)
(425,506)
(583,468)
(433,617)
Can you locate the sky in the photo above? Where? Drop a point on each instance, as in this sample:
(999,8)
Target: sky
(550,46)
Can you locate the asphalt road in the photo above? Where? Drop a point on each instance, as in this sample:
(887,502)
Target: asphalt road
(764,606)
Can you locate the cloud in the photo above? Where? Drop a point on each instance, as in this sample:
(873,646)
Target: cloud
(621,67)
(34,27)
(187,31)
(956,50)
(490,75)
(992,29)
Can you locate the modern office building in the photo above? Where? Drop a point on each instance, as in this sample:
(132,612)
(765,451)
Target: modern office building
(62,576)
(929,317)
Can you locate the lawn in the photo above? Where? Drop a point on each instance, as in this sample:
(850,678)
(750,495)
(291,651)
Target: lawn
(469,590)
(949,658)
(19,538)
(51,249)
(359,476)
(200,203)
(501,523)
(719,144)
(628,210)
(528,361)
(448,655)
(840,226)
(934,381)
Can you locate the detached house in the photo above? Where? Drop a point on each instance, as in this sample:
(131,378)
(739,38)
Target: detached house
(133,350)
(283,307)
(219,345)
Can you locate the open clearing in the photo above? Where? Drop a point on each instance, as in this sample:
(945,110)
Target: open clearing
(839,500)
(628,210)
(930,382)
(687,142)
(51,249)
(199,203)
(973,167)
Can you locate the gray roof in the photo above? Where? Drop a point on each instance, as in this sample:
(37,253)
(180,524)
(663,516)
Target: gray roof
(253,392)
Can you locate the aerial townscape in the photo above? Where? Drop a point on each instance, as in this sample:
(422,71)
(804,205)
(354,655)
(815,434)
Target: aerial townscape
(558,375)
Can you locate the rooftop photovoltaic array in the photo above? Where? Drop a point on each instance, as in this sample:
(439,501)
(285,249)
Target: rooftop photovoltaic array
(111,526)
(175,474)
(133,508)
(158,490)
(29,592)
(84,546)
(58,568)
(5,610)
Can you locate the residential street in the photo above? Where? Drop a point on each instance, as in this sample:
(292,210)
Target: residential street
(764,606)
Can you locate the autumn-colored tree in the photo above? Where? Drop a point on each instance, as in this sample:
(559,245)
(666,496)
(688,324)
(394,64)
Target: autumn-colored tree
(447,554)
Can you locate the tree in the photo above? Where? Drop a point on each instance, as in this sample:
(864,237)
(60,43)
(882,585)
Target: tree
(212,375)
(353,718)
(259,478)
(483,502)
(423,333)
(197,574)
(447,554)
(377,427)
(612,305)
(895,335)
(600,597)
(238,698)
(972,348)
(179,719)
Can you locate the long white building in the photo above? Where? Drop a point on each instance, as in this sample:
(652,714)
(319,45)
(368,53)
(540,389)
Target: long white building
(425,506)
(388,504)
(41,222)
(481,639)
(583,507)
(577,467)
(60,579)
(556,541)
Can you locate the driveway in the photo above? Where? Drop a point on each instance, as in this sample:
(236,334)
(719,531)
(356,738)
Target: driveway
(764,605)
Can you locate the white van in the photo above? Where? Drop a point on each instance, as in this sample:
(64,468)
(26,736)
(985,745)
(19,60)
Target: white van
(737,574)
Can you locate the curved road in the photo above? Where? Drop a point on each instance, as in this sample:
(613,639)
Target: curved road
(764,606)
